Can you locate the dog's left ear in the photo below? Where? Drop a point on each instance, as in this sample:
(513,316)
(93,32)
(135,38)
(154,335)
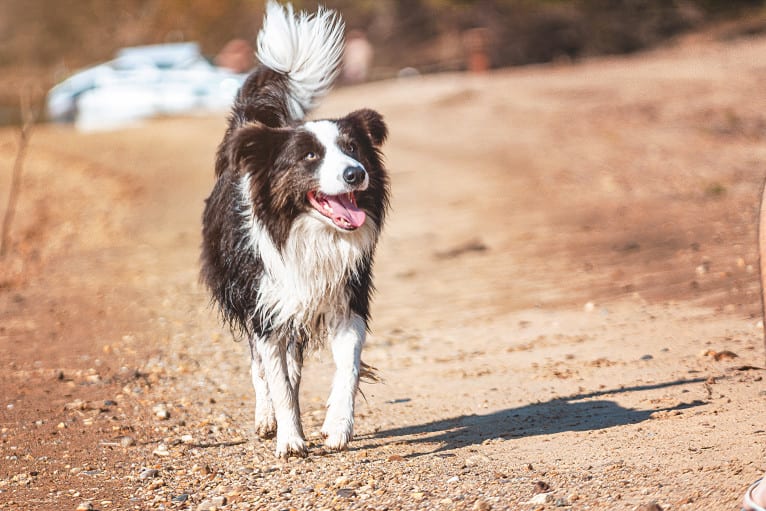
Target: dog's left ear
(372,123)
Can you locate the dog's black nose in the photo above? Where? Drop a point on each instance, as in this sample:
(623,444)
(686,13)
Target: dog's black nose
(353,175)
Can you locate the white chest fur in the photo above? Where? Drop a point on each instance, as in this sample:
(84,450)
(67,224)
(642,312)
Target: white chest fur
(307,278)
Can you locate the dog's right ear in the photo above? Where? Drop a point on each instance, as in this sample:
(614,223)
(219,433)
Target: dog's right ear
(254,146)
(372,123)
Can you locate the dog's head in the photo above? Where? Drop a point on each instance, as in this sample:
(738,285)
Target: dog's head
(330,170)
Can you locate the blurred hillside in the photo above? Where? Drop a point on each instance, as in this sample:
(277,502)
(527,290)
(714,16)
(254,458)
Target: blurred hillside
(41,42)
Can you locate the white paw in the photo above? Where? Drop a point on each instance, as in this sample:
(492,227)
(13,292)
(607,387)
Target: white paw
(266,428)
(337,432)
(293,445)
(265,421)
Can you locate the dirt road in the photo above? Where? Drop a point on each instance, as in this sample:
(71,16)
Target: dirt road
(566,315)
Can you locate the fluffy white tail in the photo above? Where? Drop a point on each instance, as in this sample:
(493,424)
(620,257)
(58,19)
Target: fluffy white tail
(307,48)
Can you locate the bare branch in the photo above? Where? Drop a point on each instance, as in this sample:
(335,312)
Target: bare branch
(27,123)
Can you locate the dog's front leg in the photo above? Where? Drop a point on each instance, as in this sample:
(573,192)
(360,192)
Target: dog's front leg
(346,342)
(265,421)
(294,360)
(289,432)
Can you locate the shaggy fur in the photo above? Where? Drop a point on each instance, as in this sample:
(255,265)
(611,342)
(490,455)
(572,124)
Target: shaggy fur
(290,228)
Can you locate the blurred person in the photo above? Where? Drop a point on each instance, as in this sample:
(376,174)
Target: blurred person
(476,45)
(357,58)
(237,55)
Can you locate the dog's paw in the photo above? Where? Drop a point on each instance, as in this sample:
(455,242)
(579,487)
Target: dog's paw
(265,421)
(291,446)
(337,433)
(266,428)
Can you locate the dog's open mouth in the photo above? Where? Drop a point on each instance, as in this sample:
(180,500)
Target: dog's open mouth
(341,209)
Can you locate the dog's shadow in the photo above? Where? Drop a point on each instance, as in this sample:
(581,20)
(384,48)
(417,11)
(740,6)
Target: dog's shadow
(582,412)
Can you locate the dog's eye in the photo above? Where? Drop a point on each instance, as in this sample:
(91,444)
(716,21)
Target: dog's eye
(310,156)
(351,148)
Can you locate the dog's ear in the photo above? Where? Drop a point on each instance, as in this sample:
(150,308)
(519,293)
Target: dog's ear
(372,123)
(254,146)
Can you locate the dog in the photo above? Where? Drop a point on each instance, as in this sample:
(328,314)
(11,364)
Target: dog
(290,227)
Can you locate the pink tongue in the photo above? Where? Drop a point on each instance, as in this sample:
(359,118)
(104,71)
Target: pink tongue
(343,208)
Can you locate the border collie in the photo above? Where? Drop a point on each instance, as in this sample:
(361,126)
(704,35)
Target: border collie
(291,225)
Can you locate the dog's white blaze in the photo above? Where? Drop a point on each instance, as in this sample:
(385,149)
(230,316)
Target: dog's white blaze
(335,161)
(306,48)
(307,278)
(347,339)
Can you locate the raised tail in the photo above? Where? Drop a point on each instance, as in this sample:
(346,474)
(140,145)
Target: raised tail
(306,48)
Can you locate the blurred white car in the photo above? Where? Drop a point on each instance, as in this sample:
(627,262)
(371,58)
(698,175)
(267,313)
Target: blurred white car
(142,82)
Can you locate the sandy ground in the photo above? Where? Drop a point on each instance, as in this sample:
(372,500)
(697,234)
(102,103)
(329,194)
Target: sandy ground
(566,317)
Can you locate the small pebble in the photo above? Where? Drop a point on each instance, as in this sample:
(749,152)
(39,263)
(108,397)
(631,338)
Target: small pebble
(477,460)
(126,441)
(84,506)
(214,503)
(161,411)
(652,506)
(481,505)
(148,473)
(156,483)
(161,450)
(541,498)
(77,404)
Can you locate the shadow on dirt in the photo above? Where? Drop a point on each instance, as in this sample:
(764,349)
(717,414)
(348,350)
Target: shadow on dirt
(580,412)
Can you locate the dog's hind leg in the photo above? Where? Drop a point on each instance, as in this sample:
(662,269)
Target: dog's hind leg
(290,440)
(346,342)
(265,421)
